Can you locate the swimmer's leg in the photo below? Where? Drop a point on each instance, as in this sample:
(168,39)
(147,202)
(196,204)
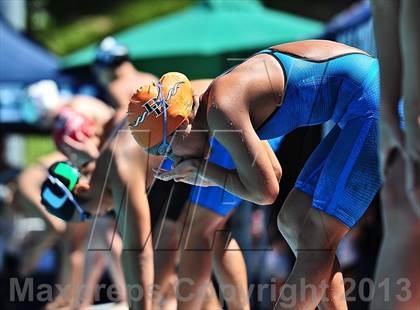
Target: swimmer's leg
(386,21)
(397,270)
(166,244)
(410,48)
(196,256)
(230,269)
(35,247)
(202,244)
(315,259)
(114,242)
(73,268)
(93,271)
(211,301)
(55,228)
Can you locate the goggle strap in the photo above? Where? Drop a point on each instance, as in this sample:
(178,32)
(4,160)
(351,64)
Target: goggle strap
(164,145)
(54,180)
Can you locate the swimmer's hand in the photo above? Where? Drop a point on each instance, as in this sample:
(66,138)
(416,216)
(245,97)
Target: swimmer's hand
(78,152)
(188,171)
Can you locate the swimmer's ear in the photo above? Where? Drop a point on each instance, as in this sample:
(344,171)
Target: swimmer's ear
(81,187)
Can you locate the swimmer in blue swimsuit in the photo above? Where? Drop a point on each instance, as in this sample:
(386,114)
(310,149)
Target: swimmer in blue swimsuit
(205,248)
(208,211)
(268,95)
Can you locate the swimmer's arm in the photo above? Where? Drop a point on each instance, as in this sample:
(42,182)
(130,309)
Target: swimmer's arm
(28,195)
(129,193)
(29,186)
(273,159)
(188,171)
(254,179)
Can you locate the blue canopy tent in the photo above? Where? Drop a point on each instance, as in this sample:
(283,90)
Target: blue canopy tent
(23,61)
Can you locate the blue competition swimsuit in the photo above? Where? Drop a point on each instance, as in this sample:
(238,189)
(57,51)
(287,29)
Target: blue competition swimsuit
(318,91)
(342,174)
(215,198)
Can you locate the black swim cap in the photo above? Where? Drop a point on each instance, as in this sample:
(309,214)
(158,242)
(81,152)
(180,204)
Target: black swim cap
(110,53)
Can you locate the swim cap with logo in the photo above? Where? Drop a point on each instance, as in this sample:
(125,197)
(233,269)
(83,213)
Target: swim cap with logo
(157,110)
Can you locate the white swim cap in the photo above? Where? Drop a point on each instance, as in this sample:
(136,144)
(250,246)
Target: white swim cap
(44,95)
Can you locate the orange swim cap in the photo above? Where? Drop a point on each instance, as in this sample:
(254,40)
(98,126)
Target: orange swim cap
(146,114)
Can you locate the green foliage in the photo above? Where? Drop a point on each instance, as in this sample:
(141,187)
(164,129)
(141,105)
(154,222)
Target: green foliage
(86,29)
(36,146)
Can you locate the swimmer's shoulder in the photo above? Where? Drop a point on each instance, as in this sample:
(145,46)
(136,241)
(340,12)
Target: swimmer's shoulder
(317,49)
(91,107)
(222,104)
(81,101)
(132,82)
(37,171)
(146,78)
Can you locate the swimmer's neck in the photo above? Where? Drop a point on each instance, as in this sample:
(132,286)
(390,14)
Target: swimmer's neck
(125,69)
(199,121)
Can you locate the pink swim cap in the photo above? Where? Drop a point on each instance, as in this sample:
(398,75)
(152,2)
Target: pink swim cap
(73,124)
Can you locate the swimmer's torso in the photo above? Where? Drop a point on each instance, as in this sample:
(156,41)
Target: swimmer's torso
(117,161)
(311,82)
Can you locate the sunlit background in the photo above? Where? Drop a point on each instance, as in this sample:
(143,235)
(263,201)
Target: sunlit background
(49,39)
